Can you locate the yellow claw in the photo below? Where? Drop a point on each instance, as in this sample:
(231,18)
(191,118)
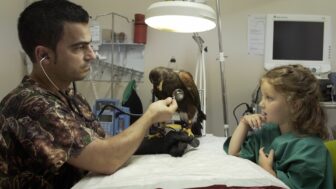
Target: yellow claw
(176,127)
(156,135)
(188,131)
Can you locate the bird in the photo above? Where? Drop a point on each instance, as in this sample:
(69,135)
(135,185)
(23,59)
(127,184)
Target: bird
(180,85)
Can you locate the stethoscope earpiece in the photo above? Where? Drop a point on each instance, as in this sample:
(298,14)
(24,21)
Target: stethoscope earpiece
(43,59)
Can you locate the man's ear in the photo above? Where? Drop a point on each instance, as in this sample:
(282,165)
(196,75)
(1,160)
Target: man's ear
(45,56)
(41,53)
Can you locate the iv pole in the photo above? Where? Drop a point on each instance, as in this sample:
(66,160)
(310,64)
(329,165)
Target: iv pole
(200,76)
(222,69)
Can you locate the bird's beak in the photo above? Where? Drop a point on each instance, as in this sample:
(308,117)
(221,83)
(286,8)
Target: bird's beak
(159,87)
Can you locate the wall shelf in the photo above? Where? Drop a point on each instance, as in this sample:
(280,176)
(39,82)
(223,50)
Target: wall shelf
(120,62)
(123,44)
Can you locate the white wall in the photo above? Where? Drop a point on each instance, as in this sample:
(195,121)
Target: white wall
(11,66)
(242,71)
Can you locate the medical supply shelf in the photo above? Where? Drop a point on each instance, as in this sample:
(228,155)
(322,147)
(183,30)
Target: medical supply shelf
(119,62)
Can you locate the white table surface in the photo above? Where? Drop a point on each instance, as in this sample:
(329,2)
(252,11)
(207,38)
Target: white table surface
(207,165)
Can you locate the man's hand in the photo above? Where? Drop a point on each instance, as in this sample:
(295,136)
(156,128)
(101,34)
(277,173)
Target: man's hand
(162,110)
(266,161)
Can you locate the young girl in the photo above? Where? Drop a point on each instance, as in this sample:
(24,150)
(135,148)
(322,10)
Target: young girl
(286,138)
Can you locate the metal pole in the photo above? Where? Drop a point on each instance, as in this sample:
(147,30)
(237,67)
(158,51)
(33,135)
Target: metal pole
(112,56)
(222,68)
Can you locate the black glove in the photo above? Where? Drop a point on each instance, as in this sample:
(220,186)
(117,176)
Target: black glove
(173,143)
(177,142)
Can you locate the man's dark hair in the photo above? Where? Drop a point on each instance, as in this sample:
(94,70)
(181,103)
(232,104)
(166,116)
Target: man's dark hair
(41,23)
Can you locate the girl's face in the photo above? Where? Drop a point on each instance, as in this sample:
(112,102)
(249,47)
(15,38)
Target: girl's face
(273,104)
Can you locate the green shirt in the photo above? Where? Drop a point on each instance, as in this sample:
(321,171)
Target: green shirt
(300,161)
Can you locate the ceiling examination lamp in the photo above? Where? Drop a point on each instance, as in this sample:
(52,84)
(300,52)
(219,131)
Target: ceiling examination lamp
(181,16)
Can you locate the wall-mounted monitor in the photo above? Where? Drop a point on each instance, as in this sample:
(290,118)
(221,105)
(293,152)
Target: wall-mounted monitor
(298,39)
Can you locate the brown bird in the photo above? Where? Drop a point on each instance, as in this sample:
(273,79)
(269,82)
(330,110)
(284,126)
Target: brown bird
(180,84)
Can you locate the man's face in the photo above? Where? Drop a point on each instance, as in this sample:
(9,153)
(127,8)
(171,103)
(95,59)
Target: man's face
(73,53)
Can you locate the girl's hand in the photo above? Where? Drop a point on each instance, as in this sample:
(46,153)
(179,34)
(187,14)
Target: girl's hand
(266,161)
(254,121)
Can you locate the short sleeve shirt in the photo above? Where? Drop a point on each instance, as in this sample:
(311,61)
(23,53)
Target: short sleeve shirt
(39,133)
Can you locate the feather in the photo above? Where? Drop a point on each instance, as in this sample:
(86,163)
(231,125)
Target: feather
(165,81)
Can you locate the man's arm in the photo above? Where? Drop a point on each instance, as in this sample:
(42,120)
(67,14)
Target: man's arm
(108,155)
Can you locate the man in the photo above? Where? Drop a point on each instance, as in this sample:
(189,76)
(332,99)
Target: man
(49,136)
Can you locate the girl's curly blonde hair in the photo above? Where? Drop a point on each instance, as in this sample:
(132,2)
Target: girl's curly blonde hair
(302,91)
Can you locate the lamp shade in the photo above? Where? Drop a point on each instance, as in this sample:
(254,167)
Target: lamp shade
(181,16)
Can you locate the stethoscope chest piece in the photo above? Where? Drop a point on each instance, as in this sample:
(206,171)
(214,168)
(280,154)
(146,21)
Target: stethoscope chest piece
(178,95)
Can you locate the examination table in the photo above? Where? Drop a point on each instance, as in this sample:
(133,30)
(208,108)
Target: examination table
(207,166)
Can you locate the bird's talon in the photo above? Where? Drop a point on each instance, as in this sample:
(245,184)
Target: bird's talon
(188,131)
(156,135)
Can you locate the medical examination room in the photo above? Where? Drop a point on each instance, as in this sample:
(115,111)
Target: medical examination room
(206,94)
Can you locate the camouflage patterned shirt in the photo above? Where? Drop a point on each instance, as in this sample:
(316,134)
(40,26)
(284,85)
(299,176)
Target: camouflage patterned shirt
(39,132)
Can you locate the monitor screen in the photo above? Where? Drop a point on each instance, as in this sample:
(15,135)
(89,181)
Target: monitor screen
(106,118)
(298,39)
(294,40)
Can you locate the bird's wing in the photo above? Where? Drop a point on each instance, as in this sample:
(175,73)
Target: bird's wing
(188,82)
(164,81)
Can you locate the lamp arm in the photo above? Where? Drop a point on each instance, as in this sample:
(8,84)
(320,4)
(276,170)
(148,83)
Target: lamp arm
(198,39)
(222,69)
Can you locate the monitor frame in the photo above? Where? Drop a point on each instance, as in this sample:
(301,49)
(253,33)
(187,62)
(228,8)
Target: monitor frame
(316,66)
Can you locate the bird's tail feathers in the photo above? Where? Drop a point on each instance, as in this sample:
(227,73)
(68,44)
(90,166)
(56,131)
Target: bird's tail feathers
(201,116)
(197,126)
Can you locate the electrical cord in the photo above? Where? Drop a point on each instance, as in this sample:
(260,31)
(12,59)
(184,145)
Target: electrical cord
(248,110)
(117,108)
(256,96)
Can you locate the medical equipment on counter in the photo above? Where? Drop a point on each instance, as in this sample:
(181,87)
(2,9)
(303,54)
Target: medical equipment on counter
(332,78)
(113,119)
(122,120)
(107,117)
(298,39)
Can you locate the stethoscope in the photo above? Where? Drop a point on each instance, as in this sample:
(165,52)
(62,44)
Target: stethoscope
(178,95)
(69,99)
